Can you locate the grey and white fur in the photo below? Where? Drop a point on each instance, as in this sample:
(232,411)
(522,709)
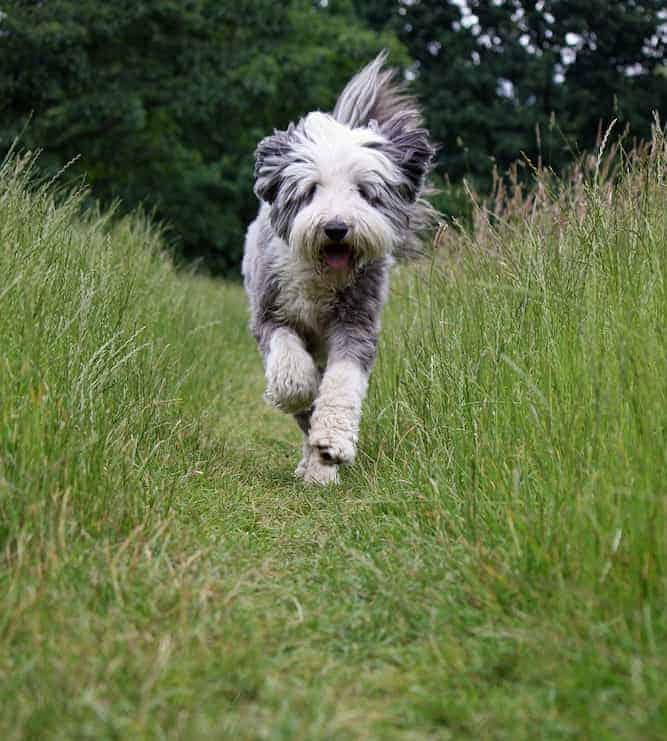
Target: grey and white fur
(341,201)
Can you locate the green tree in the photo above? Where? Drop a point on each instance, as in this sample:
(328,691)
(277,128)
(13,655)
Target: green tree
(580,63)
(492,74)
(619,46)
(163,101)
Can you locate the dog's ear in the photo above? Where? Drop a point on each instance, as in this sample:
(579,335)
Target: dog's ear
(271,157)
(411,150)
(374,94)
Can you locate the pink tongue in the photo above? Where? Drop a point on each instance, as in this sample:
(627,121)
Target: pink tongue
(337,260)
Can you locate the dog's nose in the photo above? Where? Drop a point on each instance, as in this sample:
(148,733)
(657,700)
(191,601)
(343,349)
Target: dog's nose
(335,230)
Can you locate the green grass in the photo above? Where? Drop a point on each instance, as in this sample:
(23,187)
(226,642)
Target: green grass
(493,566)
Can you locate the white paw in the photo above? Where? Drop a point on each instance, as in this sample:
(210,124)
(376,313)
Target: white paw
(317,472)
(292,378)
(334,424)
(333,435)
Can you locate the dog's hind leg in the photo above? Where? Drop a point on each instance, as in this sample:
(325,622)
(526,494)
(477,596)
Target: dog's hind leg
(303,420)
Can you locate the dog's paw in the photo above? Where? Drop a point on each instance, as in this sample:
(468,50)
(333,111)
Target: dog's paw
(317,472)
(291,380)
(333,436)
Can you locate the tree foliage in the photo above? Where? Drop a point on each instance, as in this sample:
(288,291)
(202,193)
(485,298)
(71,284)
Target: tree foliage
(502,78)
(163,101)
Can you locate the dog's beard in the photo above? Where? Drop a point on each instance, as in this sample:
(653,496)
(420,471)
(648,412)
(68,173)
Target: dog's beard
(370,238)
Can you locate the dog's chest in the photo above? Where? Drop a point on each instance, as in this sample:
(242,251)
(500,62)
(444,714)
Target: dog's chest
(304,303)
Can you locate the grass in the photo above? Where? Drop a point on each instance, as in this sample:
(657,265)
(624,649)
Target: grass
(493,566)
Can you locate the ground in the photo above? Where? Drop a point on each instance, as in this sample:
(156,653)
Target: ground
(492,565)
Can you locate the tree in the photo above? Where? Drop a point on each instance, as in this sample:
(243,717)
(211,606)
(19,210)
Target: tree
(618,47)
(492,74)
(163,101)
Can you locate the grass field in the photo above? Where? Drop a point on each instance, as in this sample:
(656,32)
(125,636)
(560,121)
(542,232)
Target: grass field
(493,566)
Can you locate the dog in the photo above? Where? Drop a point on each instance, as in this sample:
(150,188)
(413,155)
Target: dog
(341,201)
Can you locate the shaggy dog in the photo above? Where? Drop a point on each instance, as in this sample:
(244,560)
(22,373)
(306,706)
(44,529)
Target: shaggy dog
(341,201)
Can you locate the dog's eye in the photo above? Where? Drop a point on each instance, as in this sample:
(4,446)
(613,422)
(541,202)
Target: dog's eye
(368,194)
(365,193)
(310,193)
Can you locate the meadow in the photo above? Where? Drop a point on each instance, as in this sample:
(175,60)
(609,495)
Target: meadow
(494,564)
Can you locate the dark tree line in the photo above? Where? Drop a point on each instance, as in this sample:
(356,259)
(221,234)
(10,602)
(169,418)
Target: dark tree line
(162,101)
(493,73)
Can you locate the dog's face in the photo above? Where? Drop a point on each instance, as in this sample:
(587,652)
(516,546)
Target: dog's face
(341,195)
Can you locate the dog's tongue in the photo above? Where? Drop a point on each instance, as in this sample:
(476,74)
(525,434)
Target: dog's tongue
(337,256)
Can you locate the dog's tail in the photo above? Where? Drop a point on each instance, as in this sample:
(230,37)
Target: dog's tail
(374,95)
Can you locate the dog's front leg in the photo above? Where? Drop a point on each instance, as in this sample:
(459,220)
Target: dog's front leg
(292,378)
(334,424)
(334,427)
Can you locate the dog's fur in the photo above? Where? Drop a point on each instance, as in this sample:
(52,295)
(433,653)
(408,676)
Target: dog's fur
(316,314)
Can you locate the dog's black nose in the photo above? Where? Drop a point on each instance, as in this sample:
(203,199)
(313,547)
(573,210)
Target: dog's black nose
(335,230)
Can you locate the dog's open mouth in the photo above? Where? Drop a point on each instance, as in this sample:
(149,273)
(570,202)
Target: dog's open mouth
(337,255)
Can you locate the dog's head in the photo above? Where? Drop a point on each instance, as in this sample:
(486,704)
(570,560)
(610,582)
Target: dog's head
(344,188)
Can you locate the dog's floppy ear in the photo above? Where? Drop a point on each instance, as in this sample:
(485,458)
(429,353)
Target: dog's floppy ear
(410,149)
(271,157)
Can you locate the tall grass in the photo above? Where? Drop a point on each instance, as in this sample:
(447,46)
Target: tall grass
(90,393)
(520,406)
(529,366)
(494,565)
